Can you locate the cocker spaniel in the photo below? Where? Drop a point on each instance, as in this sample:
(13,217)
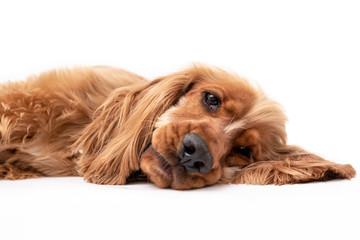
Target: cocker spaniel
(191,129)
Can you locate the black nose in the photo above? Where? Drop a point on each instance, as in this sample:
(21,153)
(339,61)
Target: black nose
(195,155)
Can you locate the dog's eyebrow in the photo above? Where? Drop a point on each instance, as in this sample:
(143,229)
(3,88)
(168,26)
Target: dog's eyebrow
(235,126)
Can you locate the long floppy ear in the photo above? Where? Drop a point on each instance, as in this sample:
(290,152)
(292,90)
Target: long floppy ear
(293,165)
(122,128)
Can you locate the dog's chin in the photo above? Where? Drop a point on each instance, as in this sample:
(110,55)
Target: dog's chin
(156,168)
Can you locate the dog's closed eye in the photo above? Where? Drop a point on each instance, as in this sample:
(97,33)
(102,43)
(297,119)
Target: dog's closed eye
(244,151)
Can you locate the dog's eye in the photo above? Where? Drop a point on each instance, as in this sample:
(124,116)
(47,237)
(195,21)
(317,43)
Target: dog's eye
(211,101)
(245,151)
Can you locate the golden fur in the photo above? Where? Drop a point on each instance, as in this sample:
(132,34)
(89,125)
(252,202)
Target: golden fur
(112,126)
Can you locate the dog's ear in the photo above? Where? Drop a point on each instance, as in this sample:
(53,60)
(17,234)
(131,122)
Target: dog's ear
(122,128)
(292,165)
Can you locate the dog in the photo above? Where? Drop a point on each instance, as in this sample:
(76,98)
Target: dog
(190,129)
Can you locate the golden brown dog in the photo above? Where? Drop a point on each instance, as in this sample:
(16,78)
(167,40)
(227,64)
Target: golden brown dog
(191,129)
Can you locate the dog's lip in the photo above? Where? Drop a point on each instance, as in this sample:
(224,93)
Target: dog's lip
(165,166)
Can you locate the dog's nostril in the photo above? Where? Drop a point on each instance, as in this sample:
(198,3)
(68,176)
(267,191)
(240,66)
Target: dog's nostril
(199,166)
(189,150)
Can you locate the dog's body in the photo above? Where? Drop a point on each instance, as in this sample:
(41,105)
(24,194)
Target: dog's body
(187,130)
(42,118)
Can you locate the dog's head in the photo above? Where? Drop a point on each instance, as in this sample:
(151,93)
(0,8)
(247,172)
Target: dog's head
(220,123)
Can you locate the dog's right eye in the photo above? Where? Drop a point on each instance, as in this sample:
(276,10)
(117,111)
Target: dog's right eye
(244,151)
(211,101)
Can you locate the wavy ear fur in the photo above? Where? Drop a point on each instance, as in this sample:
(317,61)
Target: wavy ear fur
(122,128)
(293,165)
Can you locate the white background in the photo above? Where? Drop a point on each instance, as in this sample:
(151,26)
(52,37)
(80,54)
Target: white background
(305,54)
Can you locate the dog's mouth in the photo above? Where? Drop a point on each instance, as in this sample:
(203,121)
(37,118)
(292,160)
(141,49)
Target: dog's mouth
(161,166)
(156,168)
(165,166)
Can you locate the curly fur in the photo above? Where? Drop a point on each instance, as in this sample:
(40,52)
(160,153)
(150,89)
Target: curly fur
(98,122)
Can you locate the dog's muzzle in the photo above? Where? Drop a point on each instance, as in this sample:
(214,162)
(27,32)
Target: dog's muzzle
(194,154)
